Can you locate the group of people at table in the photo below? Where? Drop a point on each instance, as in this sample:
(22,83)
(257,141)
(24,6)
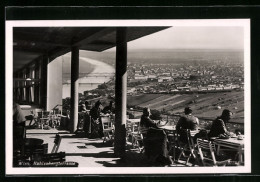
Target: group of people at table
(188,122)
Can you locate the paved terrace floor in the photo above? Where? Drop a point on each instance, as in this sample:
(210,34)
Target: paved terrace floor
(90,152)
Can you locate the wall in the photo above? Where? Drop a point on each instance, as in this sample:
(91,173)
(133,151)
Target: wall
(54,87)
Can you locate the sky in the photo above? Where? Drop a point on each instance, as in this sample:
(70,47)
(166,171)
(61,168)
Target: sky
(192,38)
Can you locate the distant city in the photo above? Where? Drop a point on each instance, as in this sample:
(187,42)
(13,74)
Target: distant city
(199,76)
(178,71)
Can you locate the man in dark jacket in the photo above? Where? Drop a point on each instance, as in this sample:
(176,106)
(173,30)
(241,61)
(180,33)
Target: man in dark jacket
(219,125)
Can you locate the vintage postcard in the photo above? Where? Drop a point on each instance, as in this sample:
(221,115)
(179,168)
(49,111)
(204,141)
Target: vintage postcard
(128,97)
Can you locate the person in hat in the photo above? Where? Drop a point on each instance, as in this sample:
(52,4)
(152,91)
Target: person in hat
(219,124)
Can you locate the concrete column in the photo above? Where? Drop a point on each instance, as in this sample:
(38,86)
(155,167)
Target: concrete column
(36,84)
(43,84)
(74,100)
(120,92)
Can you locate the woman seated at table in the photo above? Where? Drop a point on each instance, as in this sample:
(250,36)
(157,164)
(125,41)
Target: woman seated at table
(218,127)
(155,139)
(146,122)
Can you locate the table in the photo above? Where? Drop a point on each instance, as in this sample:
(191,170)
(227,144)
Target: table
(170,128)
(173,128)
(232,143)
(133,121)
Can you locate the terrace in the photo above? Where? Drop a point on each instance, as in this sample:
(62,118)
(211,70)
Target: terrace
(34,50)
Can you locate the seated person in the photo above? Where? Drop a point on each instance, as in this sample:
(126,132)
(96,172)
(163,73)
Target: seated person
(82,107)
(88,105)
(18,126)
(219,125)
(146,121)
(156,142)
(96,124)
(109,109)
(188,121)
(18,116)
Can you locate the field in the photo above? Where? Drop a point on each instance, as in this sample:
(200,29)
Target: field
(207,106)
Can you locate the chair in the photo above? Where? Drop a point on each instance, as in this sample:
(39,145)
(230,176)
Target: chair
(155,146)
(173,142)
(34,117)
(81,120)
(108,128)
(186,145)
(138,138)
(57,141)
(56,117)
(30,118)
(44,118)
(207,152)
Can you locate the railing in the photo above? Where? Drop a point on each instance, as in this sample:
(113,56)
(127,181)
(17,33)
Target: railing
(204,123)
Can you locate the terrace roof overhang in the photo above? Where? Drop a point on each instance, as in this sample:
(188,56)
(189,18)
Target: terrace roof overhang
(31,43)
(48,43)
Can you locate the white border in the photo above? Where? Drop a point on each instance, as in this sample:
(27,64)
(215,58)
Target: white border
(245,23)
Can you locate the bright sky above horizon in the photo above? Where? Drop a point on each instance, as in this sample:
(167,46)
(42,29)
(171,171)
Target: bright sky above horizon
(217,37)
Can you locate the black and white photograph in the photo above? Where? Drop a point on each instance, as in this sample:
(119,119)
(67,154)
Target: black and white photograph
(128,96)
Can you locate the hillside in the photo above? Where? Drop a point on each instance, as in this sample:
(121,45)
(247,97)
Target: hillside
(203,105)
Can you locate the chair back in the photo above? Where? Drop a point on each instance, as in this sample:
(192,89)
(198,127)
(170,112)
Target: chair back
(184,136)
(57,141)
(36,111)
(156,143)
(56,111)
(106,123)
(207,151)
(173,136)
(44,114)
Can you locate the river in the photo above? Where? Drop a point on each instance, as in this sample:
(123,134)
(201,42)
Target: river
(101,73)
